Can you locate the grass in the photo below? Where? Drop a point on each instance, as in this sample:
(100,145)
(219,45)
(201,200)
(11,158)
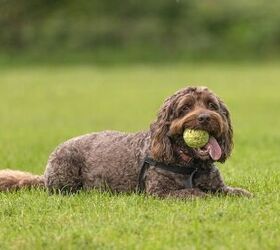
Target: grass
(41,106)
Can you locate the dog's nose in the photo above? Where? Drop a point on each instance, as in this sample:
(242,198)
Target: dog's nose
(203,118)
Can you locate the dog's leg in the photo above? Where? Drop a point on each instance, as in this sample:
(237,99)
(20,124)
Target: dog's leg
(213,182)
(188,193)
(166,186)
(63,173)
(227,190)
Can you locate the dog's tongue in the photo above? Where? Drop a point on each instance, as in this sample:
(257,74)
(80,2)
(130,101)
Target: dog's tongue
(214,148)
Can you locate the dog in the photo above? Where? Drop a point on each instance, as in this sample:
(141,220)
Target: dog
(156,162)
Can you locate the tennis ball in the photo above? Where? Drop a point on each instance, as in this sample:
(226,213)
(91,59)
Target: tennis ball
(195,138)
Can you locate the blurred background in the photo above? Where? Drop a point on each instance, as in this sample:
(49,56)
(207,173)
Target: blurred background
(130,30)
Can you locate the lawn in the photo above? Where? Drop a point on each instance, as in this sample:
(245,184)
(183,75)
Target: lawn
(41,106)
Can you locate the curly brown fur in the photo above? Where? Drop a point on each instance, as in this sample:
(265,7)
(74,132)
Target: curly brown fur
(112,160)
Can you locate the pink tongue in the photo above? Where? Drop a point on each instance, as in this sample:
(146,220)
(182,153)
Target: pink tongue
(214,149)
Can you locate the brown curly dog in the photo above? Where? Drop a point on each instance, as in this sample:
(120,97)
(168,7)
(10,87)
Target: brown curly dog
(156,162)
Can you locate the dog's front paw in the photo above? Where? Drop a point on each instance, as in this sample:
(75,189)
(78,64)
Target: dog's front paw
(188,193)
(236,191)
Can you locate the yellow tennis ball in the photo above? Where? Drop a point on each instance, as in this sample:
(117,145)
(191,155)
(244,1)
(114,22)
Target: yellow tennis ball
(195,138)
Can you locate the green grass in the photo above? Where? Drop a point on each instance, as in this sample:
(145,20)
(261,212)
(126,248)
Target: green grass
(41,106)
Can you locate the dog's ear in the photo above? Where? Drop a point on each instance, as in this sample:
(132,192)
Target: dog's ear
(161,148)
(227,136)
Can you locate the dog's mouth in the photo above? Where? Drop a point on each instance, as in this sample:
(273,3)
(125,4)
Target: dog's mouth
(212,150)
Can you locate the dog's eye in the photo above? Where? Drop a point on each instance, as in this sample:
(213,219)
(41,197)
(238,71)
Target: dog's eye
(213,106)
(186,108)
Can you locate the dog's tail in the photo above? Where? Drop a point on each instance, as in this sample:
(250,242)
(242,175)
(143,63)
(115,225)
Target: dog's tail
(13,180)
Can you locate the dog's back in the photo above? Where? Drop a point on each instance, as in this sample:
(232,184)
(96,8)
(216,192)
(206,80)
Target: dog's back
(108,159)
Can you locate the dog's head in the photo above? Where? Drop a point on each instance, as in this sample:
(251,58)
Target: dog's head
(194,108)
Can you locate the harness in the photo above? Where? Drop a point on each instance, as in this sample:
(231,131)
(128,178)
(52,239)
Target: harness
(148,162)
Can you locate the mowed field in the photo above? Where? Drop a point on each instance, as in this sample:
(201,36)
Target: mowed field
(42,106)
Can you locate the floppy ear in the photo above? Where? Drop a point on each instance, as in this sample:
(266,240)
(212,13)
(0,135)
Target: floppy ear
(161,148)
(227,137)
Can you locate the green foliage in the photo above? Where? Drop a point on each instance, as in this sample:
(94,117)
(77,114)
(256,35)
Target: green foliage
(43,106)
(167,28)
